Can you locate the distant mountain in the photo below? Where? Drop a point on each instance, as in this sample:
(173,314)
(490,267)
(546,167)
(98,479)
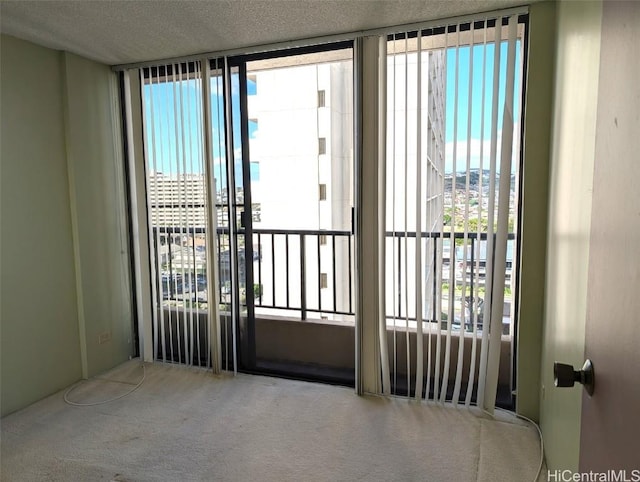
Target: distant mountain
(474,180)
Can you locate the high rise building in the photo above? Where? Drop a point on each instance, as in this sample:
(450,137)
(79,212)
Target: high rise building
(408,186)
(301,118)
(301,153)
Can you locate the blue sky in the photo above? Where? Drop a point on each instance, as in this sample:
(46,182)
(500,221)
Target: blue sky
(461,60)
(173,133)
(178,133)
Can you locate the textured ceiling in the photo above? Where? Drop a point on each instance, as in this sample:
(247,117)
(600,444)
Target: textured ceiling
(118,32)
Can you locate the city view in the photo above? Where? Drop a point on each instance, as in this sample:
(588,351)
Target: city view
(300,145)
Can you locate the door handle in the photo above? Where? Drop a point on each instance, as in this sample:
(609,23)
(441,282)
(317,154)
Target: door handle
(565,376)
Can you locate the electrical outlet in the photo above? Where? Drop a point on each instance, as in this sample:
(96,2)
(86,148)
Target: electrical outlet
(104,337)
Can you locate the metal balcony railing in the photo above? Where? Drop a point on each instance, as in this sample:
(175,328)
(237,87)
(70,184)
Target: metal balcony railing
(473,278)
(309,248)
(291,258)
(288,267)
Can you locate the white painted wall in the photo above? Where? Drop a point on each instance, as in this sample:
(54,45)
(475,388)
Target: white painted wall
(99,216)
(40,342)
(571,182)
(64,253)
(609,423)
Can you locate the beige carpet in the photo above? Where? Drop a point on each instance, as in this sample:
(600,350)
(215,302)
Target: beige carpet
(184,424)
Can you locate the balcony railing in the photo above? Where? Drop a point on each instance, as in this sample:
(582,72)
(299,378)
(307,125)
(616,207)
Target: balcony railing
(302,253)
(309,248)
(288,268)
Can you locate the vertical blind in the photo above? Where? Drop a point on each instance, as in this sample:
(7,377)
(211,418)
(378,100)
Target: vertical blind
(451,101)
(180,205)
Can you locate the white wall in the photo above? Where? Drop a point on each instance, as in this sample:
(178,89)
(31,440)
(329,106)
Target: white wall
(98,212)
(570,193)
(609,423)
(63,258)
(40,343)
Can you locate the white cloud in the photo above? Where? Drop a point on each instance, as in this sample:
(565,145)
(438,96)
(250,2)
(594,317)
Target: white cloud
(477,147)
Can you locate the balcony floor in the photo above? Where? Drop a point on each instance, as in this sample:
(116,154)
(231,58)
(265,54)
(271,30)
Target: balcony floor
(185,424)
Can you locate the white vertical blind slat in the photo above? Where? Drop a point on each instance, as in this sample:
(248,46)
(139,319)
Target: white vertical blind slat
(209,195)
(436,377)
(162,222)
(178,128)
(153,237)
(440,275)
(474,340)
(191,220)
(171,283)
(503,222)
(484,348)
(465,239)
(230,190)
(382,181)
(190,192)
(406,211)
(188,330)
(431,200)
(452,242)
(214,332)
(394,293)
(220,142)
(418,279)
(194,329)
(134,173)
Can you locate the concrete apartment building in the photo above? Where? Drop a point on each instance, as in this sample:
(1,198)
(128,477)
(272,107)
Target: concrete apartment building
(304,156)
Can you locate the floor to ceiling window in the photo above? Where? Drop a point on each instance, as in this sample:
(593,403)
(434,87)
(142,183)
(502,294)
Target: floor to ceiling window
(453,110)
(253,166)
(281,153)
(177,219)
(293,116)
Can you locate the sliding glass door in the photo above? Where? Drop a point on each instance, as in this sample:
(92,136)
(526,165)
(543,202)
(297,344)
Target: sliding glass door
(282,151)
(249,179)
(249,171)
(286,262)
